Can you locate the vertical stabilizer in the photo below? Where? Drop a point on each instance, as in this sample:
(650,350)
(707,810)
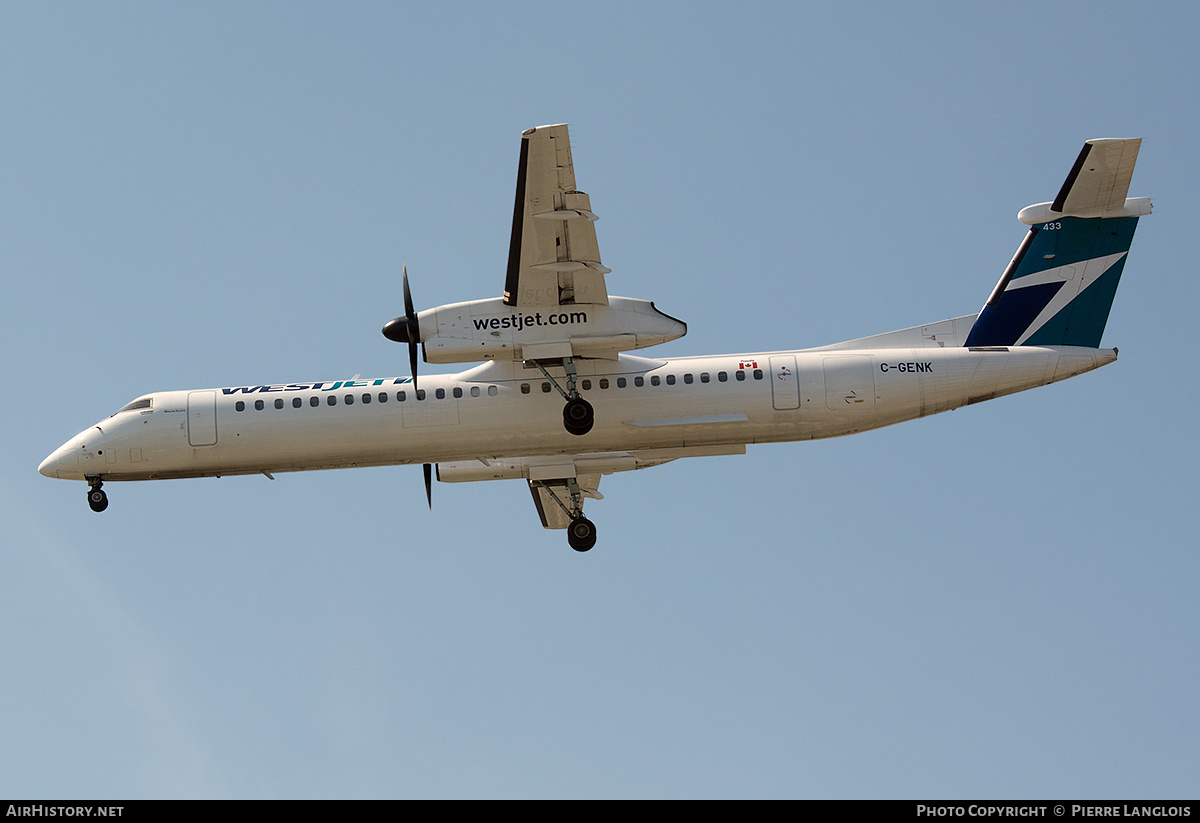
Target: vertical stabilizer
(1059,287)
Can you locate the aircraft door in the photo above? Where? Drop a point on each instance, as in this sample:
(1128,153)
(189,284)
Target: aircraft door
(202,418)
(849,383)
(785,386)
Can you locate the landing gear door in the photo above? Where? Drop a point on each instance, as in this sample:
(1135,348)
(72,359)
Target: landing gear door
(785,388)
(202,418)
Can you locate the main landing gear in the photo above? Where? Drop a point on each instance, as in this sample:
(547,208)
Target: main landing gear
(578,415)
(581,533)
(97,499)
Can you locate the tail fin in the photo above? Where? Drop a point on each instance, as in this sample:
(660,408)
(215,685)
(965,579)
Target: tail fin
(1059,287)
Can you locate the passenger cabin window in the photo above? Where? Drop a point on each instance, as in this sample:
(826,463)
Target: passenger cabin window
(366,398)
(621,383)
(474,391)
(722,377)
(493,391)
(240,405)
(758,374)
(279,402)
(314,401)
(687,378)
(640,381)
(655,380)
(740,375)
(258,404)
(383,397)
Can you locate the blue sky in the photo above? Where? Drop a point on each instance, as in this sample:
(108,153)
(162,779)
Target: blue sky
(994,602)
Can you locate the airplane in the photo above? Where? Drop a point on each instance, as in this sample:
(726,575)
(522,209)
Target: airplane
(556,340)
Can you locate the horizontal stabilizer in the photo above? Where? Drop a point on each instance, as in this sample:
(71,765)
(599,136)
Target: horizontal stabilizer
(1099,180)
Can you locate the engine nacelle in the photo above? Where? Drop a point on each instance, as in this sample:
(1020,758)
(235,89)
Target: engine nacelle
(492,330)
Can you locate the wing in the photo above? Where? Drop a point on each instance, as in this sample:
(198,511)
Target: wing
(550,476)
(553,258)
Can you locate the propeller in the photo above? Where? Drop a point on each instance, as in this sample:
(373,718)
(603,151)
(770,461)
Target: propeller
(406,329)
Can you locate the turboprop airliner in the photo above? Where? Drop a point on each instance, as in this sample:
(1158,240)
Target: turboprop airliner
(558,399)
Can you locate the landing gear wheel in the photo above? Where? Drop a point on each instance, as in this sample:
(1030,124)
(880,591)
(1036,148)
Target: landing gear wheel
(581,534)
(98,500)
(578,416)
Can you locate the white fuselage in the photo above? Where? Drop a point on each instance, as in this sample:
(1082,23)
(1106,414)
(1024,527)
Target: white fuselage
(500,410)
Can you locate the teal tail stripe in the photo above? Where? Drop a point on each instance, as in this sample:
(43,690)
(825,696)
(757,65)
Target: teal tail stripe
(1062,289)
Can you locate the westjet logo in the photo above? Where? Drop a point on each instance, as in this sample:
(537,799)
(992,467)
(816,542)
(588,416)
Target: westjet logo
(524,321)
(324,385)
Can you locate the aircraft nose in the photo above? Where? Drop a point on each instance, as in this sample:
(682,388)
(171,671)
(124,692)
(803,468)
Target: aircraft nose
(61,459)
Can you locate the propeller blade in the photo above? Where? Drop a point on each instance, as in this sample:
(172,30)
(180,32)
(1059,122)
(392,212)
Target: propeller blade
(412,363)
(408,303)
(414,336)
(428,469)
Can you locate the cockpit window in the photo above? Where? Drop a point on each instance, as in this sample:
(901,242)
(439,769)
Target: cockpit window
(143,403)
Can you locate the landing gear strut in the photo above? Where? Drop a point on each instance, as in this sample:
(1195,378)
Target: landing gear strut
(97,499)
(578,415)
(581,534)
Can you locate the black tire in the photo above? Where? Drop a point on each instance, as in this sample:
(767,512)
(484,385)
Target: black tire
(98,500)
(578,416)
(581,534)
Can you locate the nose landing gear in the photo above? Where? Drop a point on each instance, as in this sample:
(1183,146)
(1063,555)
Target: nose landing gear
(97,499)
